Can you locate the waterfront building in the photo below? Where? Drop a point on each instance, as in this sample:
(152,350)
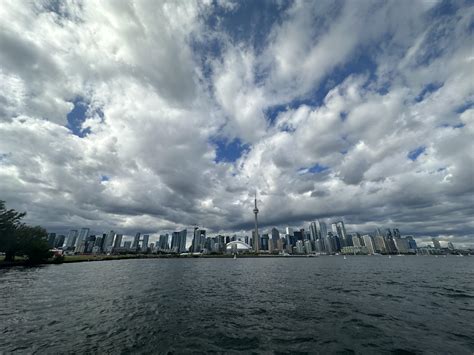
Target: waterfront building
(357,241)
(313,231)
(178,241)
(275,238)
(280,245)
(107,244)
(298,235)
(299,247)
(390,243)
(136,242)
(451,246)
(81,240)
(339,231)
(127,245)
(436,243)
(163,242)
(328,243)
(237,247)
(264,240)
(145,240)
(89,244)
(380,246)
(98,244)
(51,240)
(59,241)
(308,247)
(319,246)
(355,250)
(117,243)
(199,239)
(401,244)
(70,241)
(368,242)
(289,231)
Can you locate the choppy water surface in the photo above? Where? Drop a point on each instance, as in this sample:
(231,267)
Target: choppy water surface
(326,304)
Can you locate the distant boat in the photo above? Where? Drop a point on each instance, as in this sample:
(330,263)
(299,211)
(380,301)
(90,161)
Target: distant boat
(389,256)
(235,256)
(345,257)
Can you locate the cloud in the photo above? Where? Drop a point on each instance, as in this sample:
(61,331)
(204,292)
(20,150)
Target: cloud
(327,103)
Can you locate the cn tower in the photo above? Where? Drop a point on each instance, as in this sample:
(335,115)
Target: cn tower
(255,237)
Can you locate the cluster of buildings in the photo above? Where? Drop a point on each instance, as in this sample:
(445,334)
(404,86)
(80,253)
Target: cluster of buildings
(317,239)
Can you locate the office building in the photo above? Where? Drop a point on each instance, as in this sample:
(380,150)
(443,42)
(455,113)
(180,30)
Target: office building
(178,241)
(199,239)
(379,243)
(136,242)
(117,243)
(436,243)
(368,242)
(59,241)
(275,238)
(163,242)
(51,240)
(70,241)
(145,241)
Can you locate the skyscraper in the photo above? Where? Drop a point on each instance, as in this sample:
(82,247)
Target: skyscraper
(199,240)
(145,239)
(136,241)
(178,241)
(256,236)
(380,246)
(369,243)
(51,239)
(275,238)
(163,242)
(313,231)
(81,240)
(436,243)
(117,241)
(70,241)
(108,241)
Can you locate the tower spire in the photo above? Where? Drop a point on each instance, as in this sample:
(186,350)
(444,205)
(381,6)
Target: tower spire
(256,238)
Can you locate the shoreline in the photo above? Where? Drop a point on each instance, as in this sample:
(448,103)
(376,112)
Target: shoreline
(92,258)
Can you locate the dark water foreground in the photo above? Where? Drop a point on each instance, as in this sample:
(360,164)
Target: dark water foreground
(325,304)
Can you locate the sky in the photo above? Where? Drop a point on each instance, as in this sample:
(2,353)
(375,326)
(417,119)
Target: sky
(147,116)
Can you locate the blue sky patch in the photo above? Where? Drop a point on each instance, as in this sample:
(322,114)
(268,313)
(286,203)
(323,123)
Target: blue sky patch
(428,89)
(229,151)
(76,117)
(415,153)
(104,178)
(315,169)
(464,107)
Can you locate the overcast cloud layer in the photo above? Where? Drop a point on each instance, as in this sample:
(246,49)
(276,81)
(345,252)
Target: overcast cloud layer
(149,116)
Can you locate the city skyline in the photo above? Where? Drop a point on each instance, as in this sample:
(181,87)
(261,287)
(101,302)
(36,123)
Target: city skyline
(143,116)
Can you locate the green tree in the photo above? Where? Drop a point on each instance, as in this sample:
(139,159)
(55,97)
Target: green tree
(9,224)
(32,242)
(17,238)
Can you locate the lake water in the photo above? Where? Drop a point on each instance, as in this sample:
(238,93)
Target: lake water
(369,304)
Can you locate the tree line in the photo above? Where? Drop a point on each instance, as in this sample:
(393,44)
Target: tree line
(19,239)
